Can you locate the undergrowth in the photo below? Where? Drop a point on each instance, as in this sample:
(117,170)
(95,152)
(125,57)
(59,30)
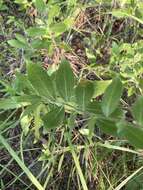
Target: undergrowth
(71,89)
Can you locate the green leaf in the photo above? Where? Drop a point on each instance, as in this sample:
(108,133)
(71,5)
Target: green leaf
(25,124)
(17,44)
(118,113)
(72,120)
(65,81)
(53,12)
(30,109)
(94,108)
(71,3)
(21,39)
(100,87)
(37,121)
(91,127)
(11,103)
(107,126)
(3,7)
(58,28)
(40,80)
(84,93)
(40,5)
(54,118)
(36,31)
(112,97)
(137,110)
(29,99)
(133,134)
(18,101)
(84,131)
(119,13)
(69,22)
(22,84)
(41,43)
(90,55)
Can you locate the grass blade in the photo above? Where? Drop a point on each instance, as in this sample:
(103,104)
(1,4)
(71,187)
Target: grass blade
(77,164)
(20,163)
(123,183)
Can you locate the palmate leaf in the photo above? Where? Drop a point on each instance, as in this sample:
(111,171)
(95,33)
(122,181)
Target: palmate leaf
(40,80)
(84,93)
(65,81)
(137,110)
(54,118)
(112,97)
